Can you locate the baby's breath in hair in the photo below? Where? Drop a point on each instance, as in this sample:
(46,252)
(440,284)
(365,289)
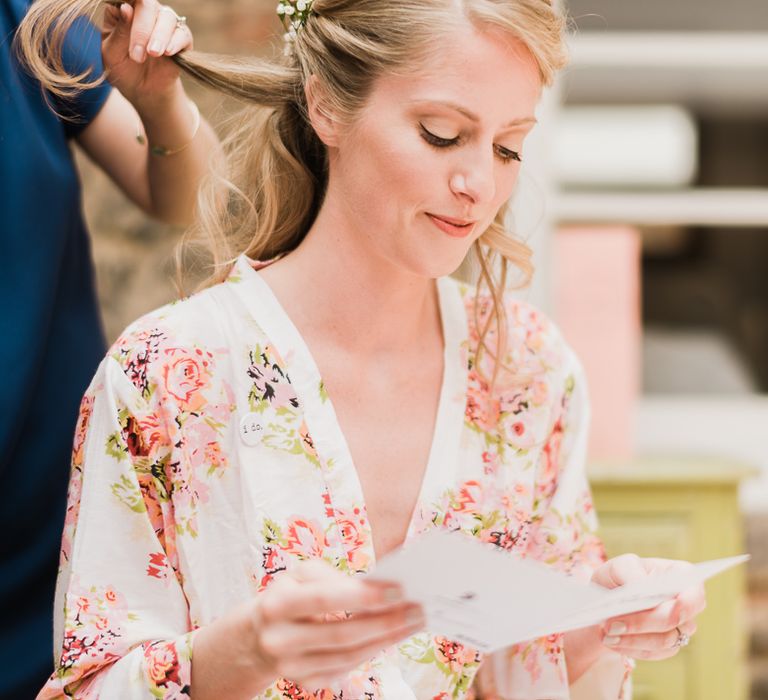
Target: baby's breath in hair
(293,14)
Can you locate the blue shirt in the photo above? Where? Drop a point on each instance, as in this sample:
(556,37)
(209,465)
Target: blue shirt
(50,341)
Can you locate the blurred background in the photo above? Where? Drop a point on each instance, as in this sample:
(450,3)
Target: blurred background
(645,198)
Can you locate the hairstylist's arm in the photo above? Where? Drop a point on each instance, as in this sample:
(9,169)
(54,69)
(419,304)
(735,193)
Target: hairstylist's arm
(137,42)
(294,630)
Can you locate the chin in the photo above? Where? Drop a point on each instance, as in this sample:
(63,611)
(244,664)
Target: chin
(432,265)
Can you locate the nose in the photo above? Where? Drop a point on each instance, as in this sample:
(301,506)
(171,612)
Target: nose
(474,181)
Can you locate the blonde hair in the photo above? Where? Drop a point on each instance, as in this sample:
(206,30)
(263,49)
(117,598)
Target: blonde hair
(277,168)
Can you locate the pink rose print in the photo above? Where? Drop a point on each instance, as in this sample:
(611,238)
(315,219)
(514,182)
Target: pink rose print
(272,562)
(270,382)
(305,539)
(306,441)
(162,663)
(352,527)
(291,691)
(93,628)
(185,374)
(158,565)
(454,655)
(470,495)
(481,409)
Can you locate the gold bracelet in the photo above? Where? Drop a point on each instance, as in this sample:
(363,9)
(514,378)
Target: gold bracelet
(162,150)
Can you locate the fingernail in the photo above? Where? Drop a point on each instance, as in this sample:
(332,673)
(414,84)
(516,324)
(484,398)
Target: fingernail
(612,641)
(137,53)
(154,47)
(617,628)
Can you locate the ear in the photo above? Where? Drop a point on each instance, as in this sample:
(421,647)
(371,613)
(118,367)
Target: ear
(326,126)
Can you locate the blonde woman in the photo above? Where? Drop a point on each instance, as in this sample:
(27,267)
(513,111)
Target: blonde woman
(52,340)
(245,456)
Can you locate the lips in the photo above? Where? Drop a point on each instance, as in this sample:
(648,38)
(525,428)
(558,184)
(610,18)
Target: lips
(457,228)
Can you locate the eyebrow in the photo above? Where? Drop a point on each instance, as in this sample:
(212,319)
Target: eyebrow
(520,121)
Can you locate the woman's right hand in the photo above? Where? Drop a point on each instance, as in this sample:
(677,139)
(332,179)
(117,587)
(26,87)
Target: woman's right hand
(312,626)
(315,624)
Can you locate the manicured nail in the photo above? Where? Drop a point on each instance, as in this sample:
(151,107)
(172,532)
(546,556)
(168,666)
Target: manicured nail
(617,628)
(137,53)
(612,641)
(154,47)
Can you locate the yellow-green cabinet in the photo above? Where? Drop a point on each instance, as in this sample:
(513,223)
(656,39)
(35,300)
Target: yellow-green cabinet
(683,509)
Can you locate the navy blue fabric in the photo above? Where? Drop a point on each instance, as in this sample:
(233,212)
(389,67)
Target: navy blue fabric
(50,343)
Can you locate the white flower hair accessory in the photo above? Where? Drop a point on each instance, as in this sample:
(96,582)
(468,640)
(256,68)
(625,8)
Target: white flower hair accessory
(294,15)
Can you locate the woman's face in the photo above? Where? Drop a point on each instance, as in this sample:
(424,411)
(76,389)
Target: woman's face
(433,156)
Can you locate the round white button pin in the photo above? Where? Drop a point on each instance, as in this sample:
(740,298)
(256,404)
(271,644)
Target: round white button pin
(252,428)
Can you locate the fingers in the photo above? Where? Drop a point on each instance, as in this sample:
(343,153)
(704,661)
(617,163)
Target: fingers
(341,635)
(156,31)
(117,20)
(319,668)
(165,27)
(144,17)
(663,618)
(620,570)
(301,601)
(315,624)
(653,646)
(181,40)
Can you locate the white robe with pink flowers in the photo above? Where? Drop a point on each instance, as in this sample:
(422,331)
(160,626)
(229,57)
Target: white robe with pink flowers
(208,460)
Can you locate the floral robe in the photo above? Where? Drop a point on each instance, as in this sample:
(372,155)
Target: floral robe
(208,460)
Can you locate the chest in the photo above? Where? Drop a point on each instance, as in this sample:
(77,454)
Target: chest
(388,418)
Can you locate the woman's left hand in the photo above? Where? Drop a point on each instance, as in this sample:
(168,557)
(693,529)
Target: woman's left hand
(137,42)
(652,634)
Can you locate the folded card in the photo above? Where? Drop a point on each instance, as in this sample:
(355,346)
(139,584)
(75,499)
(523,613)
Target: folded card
(487,598)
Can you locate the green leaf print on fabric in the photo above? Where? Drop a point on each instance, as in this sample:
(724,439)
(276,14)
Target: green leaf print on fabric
(459,664)
(271,384)
(273,392)
(115,447)
(128,493)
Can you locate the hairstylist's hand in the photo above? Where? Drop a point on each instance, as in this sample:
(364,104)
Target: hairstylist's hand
(652,634)
(137,41)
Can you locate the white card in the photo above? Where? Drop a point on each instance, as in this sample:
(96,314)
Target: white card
(487,598)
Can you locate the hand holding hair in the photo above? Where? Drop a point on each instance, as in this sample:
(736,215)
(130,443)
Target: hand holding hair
(138,41)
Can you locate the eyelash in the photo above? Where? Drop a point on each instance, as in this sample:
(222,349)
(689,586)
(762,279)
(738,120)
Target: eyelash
(504,154)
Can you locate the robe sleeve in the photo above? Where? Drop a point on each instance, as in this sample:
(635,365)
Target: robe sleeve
(121,619)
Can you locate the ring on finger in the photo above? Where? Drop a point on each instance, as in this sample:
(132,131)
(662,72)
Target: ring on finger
(181,21)
(683,639)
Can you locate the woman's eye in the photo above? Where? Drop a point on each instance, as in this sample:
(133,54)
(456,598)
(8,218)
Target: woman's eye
(505,154)
(508,155)
(436,140)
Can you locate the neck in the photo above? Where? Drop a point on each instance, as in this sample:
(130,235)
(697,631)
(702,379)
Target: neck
(332,282)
